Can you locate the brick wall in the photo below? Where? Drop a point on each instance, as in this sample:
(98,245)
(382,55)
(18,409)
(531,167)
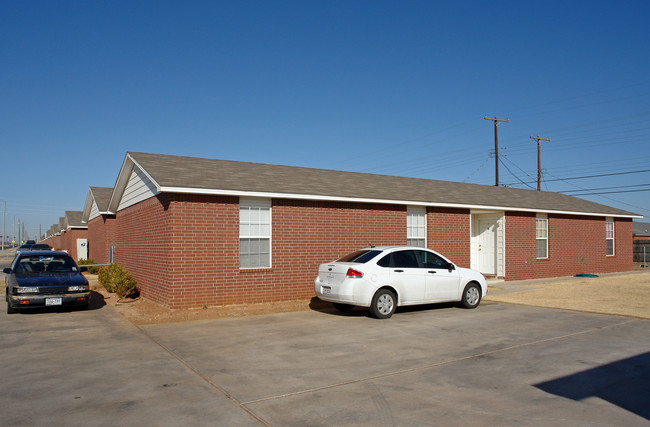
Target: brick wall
(448,232)
(100,236)
(576,244)
(142,239)
(68,240)
(184,249)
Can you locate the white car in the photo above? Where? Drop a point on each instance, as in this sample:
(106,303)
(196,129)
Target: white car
(384,278)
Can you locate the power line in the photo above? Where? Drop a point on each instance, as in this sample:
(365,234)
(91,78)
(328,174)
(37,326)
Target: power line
(613,192)
(605,188)
(594,176)
(512,173)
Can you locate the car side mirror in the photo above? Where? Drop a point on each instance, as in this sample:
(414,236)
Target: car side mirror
(82,268)
(451,267)
(6,270)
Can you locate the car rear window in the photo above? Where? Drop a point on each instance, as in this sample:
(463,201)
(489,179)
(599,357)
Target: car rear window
(50,264)
(360,257)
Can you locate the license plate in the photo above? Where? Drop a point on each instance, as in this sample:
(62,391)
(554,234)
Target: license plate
(327,290)
(53,301)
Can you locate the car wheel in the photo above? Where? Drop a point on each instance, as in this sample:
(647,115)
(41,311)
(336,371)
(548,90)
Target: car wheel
(471,296)
(10,309)
(343,307)
(383,304)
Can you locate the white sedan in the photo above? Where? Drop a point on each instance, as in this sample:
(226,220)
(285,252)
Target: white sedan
(384,278)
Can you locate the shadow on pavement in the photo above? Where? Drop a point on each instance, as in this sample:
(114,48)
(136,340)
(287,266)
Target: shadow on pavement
(623,383)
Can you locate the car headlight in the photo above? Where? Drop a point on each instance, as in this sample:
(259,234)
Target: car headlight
(77,288)
(27,290)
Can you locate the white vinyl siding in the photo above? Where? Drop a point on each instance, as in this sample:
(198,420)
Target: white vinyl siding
(138,188)
(254,233)
(94,211)
(609,236)
(416,226)
(541,225)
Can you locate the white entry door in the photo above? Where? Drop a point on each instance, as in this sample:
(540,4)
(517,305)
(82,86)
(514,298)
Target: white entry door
(82,249)
(487,247)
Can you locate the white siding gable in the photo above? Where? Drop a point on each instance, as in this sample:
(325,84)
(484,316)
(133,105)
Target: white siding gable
(94,211)
(138,188)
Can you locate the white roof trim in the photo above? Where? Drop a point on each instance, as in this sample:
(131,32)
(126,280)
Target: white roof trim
(239,193)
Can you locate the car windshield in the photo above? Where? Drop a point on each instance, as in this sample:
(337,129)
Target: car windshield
(360,257)
(49,263)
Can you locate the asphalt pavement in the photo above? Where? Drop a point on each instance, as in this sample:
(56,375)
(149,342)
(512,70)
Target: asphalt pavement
(499,364)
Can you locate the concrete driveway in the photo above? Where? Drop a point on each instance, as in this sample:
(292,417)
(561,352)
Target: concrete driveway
(441,365)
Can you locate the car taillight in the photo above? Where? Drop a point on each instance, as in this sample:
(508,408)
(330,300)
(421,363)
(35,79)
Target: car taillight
(353,273)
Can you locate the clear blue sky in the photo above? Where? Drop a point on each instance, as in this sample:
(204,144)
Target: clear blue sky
(388,87)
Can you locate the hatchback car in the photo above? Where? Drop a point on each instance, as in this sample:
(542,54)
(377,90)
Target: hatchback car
(384,278)
(44,279)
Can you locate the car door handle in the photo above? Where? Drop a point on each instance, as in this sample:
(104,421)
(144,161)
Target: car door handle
(399,271)
(432,271)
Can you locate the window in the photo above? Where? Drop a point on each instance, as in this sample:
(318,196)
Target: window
(416,226)
(254,233)
(542,236)
(399,259)
(429,260)
(609,236)
(360,257)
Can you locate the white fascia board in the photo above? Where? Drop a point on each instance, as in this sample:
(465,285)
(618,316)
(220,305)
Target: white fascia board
(238,193)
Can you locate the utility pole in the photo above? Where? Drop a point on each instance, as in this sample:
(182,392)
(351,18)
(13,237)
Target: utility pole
(496,147)
(4,220)
(539,159)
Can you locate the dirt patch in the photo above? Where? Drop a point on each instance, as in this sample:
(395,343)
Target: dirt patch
(625,294)
(140,311)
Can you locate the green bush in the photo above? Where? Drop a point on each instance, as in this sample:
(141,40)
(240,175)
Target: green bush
(91,270)
(117,280)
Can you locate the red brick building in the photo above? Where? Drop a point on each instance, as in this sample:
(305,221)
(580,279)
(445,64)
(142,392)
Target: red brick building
(100,224)
(197,232)
(70,234)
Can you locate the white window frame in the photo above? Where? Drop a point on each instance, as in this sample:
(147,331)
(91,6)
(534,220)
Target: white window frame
(416,226)
(541,235)
(254,228)
(609,236)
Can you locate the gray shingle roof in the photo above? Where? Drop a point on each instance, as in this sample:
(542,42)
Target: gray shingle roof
(102,196)
(191,173)
(641,228)
(73,219)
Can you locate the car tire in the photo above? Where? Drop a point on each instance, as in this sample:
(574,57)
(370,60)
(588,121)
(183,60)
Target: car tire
(383,304)
(10,309)
(471,296)
(343,307)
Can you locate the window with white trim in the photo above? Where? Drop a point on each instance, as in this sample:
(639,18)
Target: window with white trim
(609,236)
(254,233)
(416,226)
(541,226)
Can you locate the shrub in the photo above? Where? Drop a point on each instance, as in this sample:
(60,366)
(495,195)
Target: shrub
(117,280)
(91,270)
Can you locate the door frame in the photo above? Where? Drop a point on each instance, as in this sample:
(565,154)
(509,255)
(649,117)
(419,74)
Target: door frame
(497,218)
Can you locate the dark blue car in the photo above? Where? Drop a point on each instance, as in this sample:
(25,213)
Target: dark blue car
(45,279)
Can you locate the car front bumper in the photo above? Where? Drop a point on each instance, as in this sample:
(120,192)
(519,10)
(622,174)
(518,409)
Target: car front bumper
(57,300)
